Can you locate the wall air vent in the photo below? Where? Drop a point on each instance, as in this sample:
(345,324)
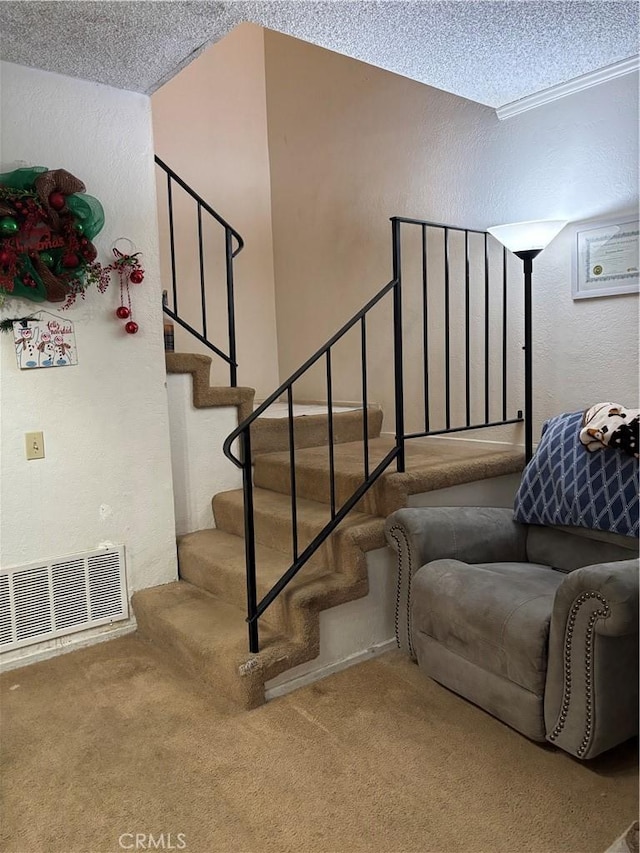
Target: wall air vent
(52,598)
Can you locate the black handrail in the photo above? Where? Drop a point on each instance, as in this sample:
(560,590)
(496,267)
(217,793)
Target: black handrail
(230,254)
(255,609)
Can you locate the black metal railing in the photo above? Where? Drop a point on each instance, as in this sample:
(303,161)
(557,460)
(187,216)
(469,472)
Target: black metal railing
(230,252)
(255,608)
(445,231)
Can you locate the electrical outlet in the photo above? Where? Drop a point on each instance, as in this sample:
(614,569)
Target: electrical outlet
(34,443)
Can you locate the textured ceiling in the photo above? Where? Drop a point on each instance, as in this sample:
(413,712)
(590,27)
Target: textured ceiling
(490,52)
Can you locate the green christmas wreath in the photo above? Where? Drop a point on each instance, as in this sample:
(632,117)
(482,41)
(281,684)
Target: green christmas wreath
(47,223)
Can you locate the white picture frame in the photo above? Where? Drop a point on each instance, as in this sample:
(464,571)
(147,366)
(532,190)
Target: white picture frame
(606,258)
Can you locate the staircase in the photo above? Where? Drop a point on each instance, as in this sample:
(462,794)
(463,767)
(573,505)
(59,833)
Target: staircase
(200,619)
(317,488)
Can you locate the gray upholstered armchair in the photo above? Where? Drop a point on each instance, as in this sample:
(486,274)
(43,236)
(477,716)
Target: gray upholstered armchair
(537,625)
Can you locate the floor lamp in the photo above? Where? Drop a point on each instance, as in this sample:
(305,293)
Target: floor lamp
(526,240)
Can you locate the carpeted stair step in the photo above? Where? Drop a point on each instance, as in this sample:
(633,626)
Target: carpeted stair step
(205,635)
(214,560)
(343,550)
(272,434)
(430,464)
(272,471)
(209,638)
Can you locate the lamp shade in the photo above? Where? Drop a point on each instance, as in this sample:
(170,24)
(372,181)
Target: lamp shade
(527,236)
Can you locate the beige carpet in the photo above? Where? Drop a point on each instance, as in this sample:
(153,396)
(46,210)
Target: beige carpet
(108,741)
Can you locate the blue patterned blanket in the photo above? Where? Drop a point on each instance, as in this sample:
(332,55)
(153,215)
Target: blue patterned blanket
(565,484)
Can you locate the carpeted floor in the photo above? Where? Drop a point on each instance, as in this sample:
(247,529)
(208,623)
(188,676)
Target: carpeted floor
(104,743)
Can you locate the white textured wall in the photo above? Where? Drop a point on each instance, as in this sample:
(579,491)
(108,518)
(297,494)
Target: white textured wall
(352,145)
(107,473)
(200,468)
(575,159)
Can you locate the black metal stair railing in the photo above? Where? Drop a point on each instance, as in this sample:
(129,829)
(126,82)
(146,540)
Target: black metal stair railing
(501,335)
(242,433)
(230,234)
(255,609)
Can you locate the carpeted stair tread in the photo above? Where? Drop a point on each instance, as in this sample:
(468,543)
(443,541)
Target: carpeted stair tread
(272,434)
(430,464)
(273,526)
(201,632)
(209,638)
(215,561)
(205,395)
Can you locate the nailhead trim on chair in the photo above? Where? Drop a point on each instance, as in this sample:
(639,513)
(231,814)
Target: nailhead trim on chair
(602,613)
(392,532)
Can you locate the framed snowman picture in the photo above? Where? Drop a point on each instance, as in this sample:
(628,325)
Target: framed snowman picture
(44,340)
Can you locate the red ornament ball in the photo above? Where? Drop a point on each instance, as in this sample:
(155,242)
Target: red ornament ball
(5,258)
(122,312)
(131,328)
(57,201)
(70,260)
(137,276)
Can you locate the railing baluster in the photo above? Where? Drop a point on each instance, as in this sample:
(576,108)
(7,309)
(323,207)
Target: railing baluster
(233,370)
(467,361)
(292,477)
(398,362)
(447,343)
(332,482)
(425,326)
(504,335)
(202,288)
(249,542)
(365,401)
(172,245)
(486,329)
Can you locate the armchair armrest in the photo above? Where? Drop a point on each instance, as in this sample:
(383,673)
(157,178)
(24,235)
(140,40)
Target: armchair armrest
(614,586)
(469,534)
(591,692)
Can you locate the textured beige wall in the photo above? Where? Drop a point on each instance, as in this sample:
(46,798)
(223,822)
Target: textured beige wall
(210,126)
(351,145)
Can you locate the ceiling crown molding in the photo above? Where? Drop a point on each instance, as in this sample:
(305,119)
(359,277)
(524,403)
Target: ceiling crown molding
(553,93)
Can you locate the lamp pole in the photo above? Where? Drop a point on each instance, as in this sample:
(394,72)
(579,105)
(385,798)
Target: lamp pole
(527,257)
(527,240)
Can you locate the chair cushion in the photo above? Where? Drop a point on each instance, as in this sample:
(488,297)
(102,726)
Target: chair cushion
(495,615)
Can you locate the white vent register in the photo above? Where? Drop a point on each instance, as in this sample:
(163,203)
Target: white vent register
(49,599)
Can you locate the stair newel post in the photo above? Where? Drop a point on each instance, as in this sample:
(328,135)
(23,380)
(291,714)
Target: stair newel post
(397,342)
(249,542)
(233,369)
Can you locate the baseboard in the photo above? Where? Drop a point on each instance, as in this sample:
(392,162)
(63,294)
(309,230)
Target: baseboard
(329,669)
(67,644)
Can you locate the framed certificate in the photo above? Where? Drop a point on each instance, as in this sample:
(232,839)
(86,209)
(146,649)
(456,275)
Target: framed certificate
(606,259)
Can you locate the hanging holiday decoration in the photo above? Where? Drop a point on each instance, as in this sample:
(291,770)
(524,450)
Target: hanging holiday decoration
(129,270)
(47,224)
